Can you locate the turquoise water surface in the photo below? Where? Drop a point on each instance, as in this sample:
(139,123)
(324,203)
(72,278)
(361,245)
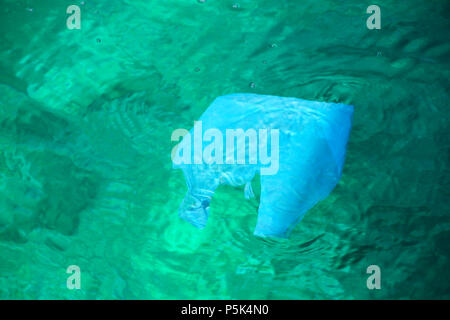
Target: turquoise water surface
(86,176)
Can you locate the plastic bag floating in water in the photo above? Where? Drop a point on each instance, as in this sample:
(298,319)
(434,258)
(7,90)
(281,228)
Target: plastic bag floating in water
(297,146)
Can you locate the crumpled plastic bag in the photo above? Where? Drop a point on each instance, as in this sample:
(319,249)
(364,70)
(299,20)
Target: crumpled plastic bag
(300,151)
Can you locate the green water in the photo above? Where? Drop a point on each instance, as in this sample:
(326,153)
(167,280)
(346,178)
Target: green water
(85,171)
